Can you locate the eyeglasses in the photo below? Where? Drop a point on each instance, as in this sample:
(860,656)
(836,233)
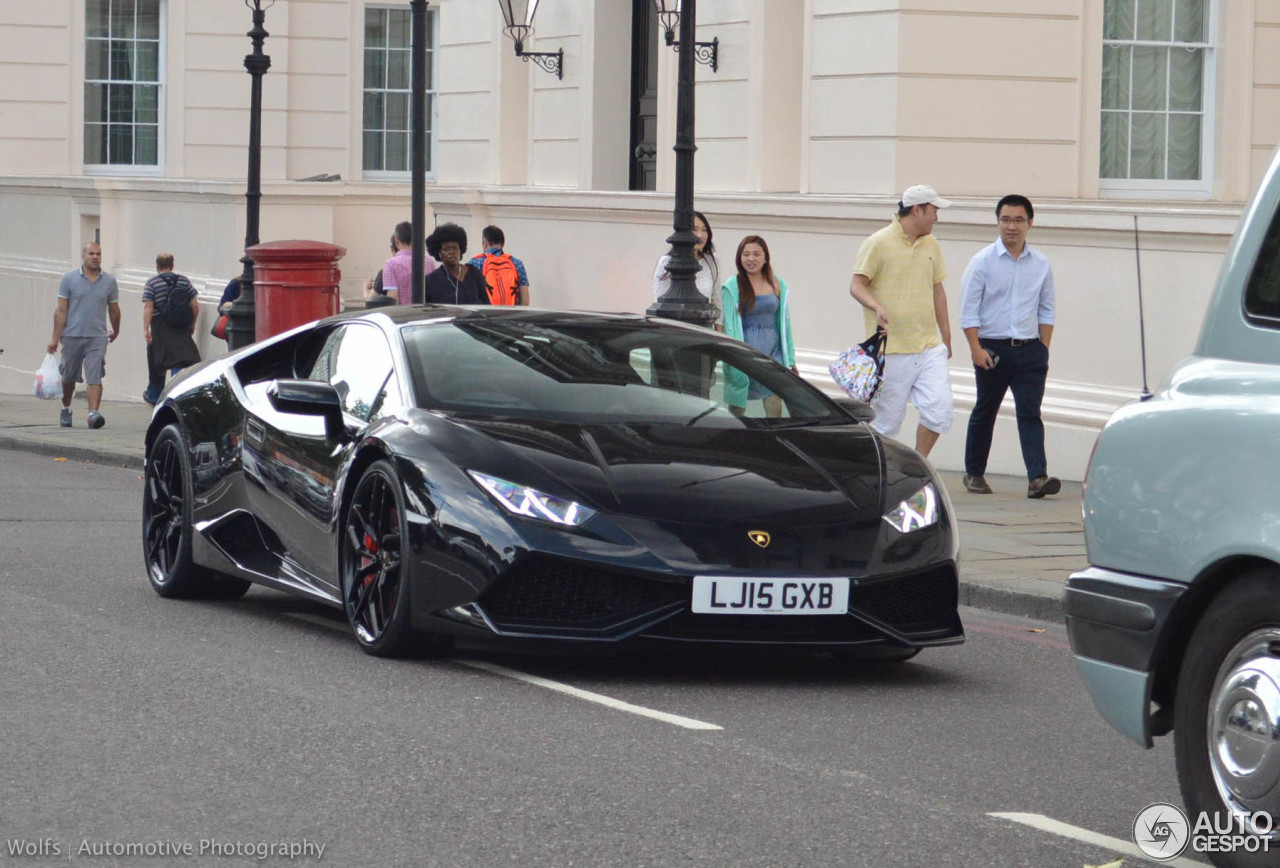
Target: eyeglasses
(1014,221)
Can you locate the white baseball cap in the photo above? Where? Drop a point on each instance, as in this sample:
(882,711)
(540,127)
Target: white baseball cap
(921,194)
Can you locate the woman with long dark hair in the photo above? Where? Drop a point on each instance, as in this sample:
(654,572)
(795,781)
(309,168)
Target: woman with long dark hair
(756,312)
(457,282)
(708,275)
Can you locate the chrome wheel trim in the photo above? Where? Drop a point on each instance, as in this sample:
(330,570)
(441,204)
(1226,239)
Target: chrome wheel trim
(163,511)
(1243,732)
(371,558)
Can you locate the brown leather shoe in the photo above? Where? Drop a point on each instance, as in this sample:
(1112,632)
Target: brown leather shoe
(976,484)
(1042,485)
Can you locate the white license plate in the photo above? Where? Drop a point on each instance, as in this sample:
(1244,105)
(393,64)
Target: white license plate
(720,595)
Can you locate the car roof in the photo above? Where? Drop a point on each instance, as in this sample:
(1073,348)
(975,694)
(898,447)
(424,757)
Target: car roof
(408,314)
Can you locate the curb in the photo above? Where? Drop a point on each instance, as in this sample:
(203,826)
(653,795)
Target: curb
(1007,602)
(75,453)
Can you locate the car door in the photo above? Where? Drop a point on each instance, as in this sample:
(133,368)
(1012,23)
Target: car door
(356,359)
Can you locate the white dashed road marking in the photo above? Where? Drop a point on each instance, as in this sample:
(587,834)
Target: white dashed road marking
(588,696)
(1116,845)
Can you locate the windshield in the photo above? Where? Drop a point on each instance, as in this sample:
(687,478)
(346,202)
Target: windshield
(599,372)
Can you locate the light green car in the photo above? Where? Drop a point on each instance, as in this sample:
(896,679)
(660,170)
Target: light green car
(1176,623)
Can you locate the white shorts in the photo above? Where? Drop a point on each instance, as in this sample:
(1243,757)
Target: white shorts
(925,380)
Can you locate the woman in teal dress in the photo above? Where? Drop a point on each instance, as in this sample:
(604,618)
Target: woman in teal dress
(757,312)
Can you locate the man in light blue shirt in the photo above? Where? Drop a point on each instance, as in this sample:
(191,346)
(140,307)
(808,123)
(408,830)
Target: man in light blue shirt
(1007,312)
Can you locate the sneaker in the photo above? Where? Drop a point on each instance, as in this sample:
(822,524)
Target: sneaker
(1042,485)
(65,419)
(976,484)
(151,395)
(96,420)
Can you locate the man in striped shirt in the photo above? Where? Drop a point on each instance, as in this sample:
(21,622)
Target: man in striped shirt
(397,273)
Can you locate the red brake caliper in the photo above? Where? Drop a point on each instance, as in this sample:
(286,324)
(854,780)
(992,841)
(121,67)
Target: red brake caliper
(371,546)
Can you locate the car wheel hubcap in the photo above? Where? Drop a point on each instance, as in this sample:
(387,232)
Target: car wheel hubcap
(372,562)
(163,516)
(1244,726)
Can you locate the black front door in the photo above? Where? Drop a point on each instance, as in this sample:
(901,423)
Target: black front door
(644,95)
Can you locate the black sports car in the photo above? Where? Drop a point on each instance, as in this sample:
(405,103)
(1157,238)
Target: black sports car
(504,472)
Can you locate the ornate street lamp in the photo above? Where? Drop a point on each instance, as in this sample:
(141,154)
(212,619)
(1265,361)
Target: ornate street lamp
(707,53)
(683,301)
(240,318)
(517,18)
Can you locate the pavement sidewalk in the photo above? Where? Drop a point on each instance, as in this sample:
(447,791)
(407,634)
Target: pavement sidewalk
(1015,553)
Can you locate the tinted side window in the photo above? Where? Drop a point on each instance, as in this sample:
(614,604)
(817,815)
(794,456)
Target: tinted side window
(1262,296)
(362,371)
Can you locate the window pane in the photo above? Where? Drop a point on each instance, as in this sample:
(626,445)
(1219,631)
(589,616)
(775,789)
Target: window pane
(374,113)
(1115,145)
(146,104)
(1118,19)
(121,61)
(1148,145)
(1184,147)
(398,70)
(1186,79)
(1150,78)
(397,111)
(120,103)
(431,116)
(95,59)
(119,144)
(95,18)
(95,143)
(148,61)
(397,152)
(122,19)
(95,103)
(375,28)
(375,68)
(1115,76)
(373,150)
(1189,21)
(149,19)
(1155,20)
(146,147)
(1262,296)
(398,28)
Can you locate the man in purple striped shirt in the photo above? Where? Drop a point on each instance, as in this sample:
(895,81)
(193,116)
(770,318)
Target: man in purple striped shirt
(397,273)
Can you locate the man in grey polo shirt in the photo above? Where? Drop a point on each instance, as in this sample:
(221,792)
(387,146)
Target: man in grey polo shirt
(86,298)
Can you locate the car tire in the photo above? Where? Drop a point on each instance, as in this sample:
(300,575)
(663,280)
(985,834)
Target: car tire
(166,526)
(1237,634)
(375,586)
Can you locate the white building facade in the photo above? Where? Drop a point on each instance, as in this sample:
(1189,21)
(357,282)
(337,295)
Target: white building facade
(127,121)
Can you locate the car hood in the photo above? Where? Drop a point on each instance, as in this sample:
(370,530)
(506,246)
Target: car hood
(830,475)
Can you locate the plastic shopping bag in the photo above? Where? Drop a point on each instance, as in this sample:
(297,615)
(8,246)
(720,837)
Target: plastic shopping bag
(860,369)
(49,378)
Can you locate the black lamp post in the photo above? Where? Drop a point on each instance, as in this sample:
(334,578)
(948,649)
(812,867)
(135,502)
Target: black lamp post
(517,22)
(683,301)
(241,322)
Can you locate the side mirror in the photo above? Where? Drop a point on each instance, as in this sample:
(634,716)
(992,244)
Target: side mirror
(309,398)
(859,410)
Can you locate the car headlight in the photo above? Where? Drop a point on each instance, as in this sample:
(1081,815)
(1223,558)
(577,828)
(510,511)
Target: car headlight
(522,500)
(918,511)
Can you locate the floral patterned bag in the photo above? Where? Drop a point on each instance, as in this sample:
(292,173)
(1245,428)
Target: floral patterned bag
(859,369)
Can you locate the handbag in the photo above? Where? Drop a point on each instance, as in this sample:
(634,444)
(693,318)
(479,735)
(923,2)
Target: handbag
(219,329)
(859,370)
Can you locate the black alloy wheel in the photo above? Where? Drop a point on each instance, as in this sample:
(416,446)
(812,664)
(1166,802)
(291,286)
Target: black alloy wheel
(375,587)
(166,526)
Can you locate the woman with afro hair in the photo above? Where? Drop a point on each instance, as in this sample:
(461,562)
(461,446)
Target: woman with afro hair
(457,282)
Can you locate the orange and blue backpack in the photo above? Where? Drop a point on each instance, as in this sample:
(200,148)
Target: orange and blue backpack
(502,278)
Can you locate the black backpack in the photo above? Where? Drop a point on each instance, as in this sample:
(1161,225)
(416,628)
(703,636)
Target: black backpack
(176,314)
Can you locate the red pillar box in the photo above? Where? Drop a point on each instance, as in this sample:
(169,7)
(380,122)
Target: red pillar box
(294,282)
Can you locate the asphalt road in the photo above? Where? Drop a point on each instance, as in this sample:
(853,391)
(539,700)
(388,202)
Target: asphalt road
(129,721)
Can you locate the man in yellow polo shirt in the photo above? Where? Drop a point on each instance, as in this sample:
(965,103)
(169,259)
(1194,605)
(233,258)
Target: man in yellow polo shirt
(898,279)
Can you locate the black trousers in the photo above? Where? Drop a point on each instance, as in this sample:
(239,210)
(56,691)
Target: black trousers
(1022,368)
